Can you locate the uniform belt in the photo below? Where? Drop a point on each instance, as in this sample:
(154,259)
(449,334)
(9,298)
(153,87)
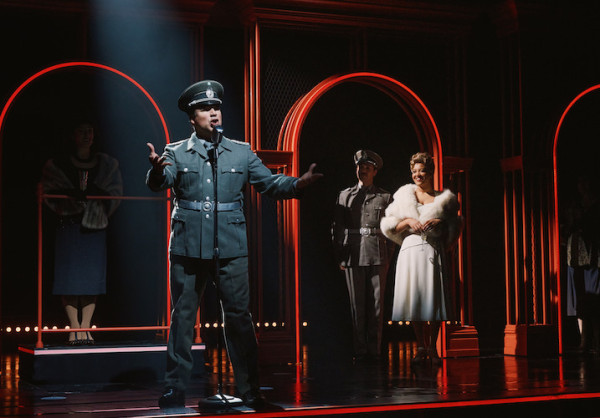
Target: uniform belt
(207,206)
(364,231)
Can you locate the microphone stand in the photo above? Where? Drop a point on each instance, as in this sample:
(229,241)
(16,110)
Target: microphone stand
(220,398)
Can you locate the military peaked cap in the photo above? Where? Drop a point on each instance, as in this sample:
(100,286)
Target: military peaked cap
(206,92)
(368,156)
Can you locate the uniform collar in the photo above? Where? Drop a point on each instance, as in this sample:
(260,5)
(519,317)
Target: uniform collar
(366,189)
(195,143)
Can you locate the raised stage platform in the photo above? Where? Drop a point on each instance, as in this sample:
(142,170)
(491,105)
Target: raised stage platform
(99,363)
(330,384)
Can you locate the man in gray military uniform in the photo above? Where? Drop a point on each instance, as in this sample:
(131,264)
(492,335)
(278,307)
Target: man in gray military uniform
(362,253)
(186,168)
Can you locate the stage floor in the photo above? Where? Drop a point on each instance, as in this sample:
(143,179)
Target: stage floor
(328,385)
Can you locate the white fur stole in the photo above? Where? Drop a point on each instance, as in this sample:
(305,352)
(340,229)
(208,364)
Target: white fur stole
(404,206)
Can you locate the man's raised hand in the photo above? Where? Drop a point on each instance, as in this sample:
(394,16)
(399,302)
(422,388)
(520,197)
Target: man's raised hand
(158,162)
(309,177)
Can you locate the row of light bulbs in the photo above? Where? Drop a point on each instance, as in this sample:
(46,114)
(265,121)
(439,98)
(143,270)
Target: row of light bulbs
(258,325)
(34,329)
(206,325)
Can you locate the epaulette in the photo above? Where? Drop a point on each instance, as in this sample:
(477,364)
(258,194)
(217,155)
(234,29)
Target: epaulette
(174,144)
(235,141)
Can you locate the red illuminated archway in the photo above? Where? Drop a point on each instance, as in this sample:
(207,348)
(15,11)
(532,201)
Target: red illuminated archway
(81,64)
(289,140)
(556,242)
(5,110)
(420,117)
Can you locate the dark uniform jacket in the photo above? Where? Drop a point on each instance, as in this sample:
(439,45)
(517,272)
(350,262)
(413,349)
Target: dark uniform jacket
(357,239)
(191,179)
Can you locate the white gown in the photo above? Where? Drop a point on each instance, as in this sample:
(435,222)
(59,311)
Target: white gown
(419,292)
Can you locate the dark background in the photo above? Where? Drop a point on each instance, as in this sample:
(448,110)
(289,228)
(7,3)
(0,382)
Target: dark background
(456,67)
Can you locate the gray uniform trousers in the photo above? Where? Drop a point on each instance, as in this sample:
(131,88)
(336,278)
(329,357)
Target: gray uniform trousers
(362,250)
(189,277)
(364,291)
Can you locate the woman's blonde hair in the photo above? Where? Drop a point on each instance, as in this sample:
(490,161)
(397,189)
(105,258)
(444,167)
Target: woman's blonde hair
(423,158)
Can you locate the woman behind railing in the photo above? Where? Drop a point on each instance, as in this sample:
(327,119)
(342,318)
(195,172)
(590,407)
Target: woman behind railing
(80,249)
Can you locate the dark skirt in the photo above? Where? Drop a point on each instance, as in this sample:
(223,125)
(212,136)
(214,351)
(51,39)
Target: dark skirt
(80,260)
(583,291)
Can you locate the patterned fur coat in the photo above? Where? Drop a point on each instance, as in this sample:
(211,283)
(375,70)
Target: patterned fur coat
(95,212)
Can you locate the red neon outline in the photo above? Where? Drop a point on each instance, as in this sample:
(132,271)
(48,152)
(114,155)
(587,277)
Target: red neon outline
(289,138)
(556,226)
(167,138)
(350,410)
(83,64)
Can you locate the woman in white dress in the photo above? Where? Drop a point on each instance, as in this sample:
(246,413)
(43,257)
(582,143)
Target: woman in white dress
(426,224)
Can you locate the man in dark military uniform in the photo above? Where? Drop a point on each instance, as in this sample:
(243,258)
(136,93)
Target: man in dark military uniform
(186,168)
(362,253)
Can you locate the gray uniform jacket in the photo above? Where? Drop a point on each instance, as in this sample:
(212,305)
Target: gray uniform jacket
(191,179)
(357,239)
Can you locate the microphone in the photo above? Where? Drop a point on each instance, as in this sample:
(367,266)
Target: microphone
(217,135)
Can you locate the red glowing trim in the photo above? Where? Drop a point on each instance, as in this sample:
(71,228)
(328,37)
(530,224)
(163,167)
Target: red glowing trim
(83,64)
(289,138)
(349,410)
(556,226)
(12,97)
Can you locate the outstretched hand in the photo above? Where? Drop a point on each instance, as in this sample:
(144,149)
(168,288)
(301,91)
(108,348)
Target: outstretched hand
(309,177)
(158,162)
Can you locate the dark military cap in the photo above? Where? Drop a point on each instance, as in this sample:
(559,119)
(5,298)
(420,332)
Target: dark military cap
(206,92)
(368,156)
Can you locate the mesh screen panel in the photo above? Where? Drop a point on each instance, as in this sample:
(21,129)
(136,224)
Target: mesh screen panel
(292,63)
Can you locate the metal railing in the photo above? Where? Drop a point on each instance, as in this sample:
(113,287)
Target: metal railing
(40,202)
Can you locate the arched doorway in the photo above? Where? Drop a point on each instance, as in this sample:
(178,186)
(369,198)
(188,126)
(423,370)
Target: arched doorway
(576,133)
(420,118)
(48,98)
